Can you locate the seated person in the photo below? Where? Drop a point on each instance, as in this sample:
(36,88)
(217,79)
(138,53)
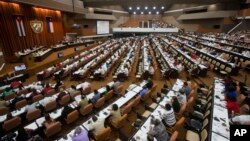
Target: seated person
(116,86)
(30,107)
(66,110)
(23,134)
(16,84)
(150,84)
(48,121)
(186,88)
(96,125)
(61,94)
(15,100)
(83,102)
(175,104)
(33,93)
(169,116)
(232,106)
(143,91)
(158,130)
(231,93)
(115,114)
(72,91)
(8,91)
(4,103)
(80,134)
(243,118)
(46,89)
(96,96)
(182,98)
(58,84)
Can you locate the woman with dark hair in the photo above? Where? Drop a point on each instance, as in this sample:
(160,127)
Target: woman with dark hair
(176,105)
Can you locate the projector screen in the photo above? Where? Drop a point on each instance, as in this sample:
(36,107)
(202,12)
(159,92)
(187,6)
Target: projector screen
(102,27)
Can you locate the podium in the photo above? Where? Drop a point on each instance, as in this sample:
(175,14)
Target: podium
(28,60)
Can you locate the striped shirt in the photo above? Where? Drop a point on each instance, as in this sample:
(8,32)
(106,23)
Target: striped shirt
(169,117)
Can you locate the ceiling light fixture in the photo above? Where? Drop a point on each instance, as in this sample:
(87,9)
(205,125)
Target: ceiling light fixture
(134,13)
(162,7)
(138,8)
(130,8)
(149,12)
(142,13)
(146,7)
(154,7)
(157,12)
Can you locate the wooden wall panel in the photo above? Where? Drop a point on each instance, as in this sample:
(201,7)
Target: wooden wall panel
(11,42)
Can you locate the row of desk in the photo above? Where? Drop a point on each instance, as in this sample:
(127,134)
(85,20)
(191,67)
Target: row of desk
(132,91)
(141,133)
(234,70)
(202,68)
(239,55)
(219,122)
(166,57)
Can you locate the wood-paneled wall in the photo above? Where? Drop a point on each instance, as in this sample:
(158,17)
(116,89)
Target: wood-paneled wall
(12,43)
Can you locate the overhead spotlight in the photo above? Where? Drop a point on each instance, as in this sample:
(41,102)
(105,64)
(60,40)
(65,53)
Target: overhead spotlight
(149,12)
(134,13)
(154,7)
(130,8)
(146,7)
(142,13)
(157,12)
(138,8)
(162,7)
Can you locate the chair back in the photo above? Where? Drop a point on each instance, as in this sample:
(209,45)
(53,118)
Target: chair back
(53,129)
(104,135)
(146,96)
(137,100)
(37,98)
(10,96)
(179,124)
(4,110)
(11,123)
(100,102)
(50,92)
(109,95)
(87,90)
(86,109)
(126,109)
(21,104)
(24,91)
(120,123)
(64,100)
(119,90)
(203,135)
(34,114)
(72,116)
(174,136)
(50,106)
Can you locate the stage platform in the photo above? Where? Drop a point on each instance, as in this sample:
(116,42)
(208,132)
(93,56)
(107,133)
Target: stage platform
(47,62)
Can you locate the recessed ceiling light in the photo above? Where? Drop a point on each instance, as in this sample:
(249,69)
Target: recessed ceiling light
(141,12)
(157,12)
(134,13)
(146,7)
(138,8)
(149,12)
(162,7)
(130,8)
(154,7)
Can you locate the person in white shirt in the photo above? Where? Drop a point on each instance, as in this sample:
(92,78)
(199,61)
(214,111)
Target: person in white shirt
(126,71)
(96,125)
(241,120)
(181,96)
(169,117)
(151,70)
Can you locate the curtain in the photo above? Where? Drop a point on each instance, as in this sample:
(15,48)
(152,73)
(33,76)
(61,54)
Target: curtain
(12,42)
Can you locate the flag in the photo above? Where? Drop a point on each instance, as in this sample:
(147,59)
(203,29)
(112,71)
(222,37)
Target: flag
(49,23)
(19,25)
